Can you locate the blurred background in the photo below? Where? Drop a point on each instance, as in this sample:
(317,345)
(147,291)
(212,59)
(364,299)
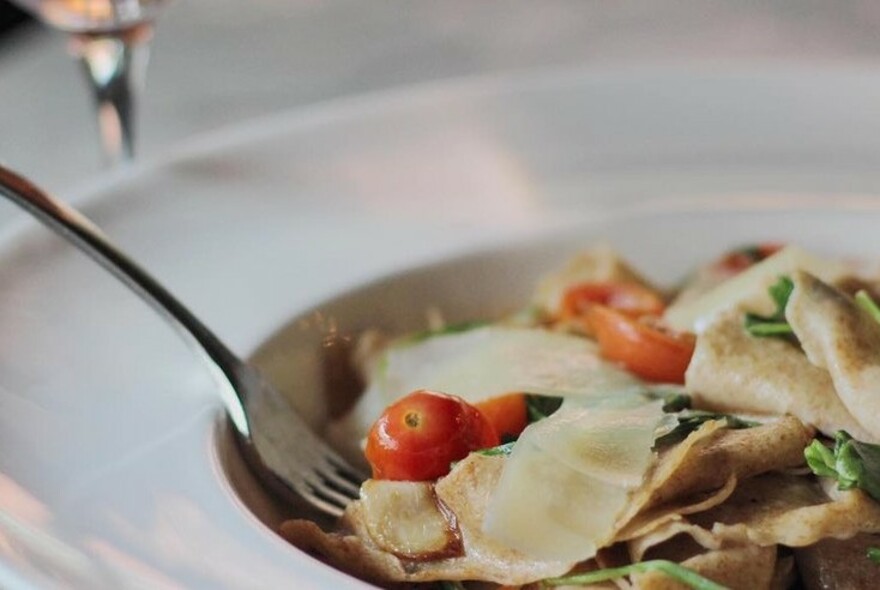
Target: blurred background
(220,62)
(10,18)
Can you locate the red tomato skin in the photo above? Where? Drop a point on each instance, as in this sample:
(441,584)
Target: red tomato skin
(735,262)
(630,298)
(738,260)
(419,436)
(645,350)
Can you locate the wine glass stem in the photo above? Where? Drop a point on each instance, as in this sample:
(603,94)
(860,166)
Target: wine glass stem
(115,64)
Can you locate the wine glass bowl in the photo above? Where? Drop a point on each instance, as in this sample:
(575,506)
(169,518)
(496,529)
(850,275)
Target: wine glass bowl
(111,40)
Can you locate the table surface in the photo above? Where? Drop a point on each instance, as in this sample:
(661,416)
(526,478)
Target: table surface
(220,62)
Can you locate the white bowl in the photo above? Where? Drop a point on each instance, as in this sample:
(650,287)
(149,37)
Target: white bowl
(114,465)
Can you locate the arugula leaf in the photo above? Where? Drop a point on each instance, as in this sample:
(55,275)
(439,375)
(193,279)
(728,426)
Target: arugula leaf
(451,585)
(501,450)
(673,570)
(868,304)
(690,420)
(780,292)
(874,554)
(676,402)
(761,327)
(854,464)
(541,406)
(776,324)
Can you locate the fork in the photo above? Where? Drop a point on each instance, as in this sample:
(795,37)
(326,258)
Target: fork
(275,441)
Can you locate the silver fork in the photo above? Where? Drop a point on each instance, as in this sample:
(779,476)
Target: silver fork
(276,442)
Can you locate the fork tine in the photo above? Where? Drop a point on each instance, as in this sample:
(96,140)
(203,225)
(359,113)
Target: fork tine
(318,502)
(333,468)
(330,473)
(321,488)
(332,494)
(345,469)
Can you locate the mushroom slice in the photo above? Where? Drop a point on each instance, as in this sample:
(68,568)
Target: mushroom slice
(407,519)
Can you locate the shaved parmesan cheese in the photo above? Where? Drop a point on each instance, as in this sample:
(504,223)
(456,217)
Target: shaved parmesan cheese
(486,362)
(749,288)
(569,478)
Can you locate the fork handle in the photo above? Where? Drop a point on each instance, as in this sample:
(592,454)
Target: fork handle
(74,227)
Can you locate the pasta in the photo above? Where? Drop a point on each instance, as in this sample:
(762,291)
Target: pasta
(722,436)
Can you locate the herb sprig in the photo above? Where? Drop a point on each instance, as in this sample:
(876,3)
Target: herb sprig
(852,463)
(541,406)
(868,304)
(691,420)
(499,451)
(676,402)
(673,570)
(776,324)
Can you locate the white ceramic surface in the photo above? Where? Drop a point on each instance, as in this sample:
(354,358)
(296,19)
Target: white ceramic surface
(109,469)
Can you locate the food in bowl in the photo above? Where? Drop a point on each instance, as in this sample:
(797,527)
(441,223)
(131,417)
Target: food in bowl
(720,436)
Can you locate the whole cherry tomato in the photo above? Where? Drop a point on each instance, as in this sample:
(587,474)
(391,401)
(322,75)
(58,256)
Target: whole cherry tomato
(419,436)
(630,298)
(648,351)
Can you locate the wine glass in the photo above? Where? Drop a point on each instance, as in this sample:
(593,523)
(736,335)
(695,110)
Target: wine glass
(111,39)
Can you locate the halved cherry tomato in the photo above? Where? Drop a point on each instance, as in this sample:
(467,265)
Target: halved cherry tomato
(739,260)
(420,435)
(507,413)
(648,351)
(633,299)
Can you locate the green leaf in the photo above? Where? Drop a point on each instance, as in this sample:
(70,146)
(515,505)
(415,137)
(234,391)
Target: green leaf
(874,554)
(865,302)
(499,451)
(451,585)
(780,292)
(776,324)
(541,406)
(853,463)
(691,420)
(761,326)
(820,459)
(676,402)
(673,570)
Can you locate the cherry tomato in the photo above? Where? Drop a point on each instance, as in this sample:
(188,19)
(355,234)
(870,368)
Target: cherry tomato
(630,298)
(507,413)
(420,435)
(648,351)
(739,260)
